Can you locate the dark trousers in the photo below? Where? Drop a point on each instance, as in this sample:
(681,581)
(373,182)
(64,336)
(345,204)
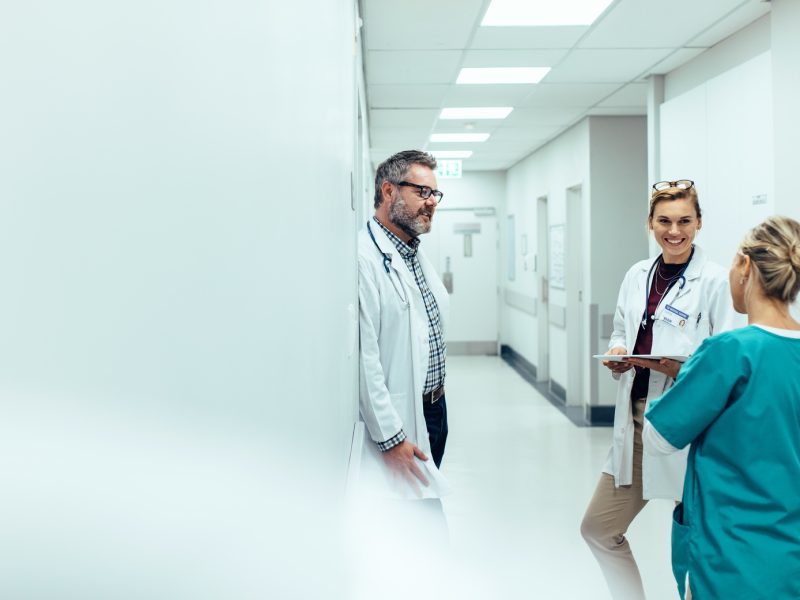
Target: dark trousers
(436,421)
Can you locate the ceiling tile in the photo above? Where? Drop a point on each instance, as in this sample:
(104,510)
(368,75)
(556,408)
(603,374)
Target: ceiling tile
(526,37)
(515,134)
(634,94)
(618,66)
(418,24)
(406,96)
(511,148)
(514,58)
(397,138)
(413,66)
(415,48)
(405,118)
(655,23)
(569,94)
(487,95)
(521,117)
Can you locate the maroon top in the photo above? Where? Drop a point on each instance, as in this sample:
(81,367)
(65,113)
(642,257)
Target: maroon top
(664,278)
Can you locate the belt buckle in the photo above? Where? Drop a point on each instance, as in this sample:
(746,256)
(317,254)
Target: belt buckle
(432,397)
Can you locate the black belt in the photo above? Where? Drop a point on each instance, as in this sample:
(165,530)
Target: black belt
(433,397)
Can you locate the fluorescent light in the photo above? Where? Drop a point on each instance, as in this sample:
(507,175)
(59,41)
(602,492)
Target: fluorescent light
(459,137)
(479,112)
(451,153)
(513,13)
(502,75)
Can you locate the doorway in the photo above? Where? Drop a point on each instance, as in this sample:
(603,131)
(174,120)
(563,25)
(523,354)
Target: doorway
(463,248)
(576,355)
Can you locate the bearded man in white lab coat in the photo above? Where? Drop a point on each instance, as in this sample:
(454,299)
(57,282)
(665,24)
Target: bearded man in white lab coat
(403,309)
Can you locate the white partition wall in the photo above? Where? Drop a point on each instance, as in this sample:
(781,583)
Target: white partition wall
(785,50)
(719,134)
(561,164)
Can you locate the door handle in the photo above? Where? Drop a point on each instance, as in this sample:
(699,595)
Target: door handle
(447,277)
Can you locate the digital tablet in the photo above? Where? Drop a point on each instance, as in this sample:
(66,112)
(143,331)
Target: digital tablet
(620,357)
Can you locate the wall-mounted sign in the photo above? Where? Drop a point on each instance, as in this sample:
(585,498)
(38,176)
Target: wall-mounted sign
(466,228)
(557,261)
(448,169)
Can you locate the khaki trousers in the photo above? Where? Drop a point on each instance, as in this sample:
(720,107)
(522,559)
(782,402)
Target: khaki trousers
(610,512)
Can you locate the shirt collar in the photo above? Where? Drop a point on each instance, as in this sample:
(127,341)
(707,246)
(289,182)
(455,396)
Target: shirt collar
(406,250)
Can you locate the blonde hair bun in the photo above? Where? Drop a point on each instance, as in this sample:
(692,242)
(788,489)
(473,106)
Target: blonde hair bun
(774,248)
(794,256)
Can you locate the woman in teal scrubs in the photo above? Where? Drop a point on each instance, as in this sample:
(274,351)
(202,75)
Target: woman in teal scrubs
(737,402)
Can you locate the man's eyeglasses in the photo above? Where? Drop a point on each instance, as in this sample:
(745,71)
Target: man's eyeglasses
(681,184)
(424,191)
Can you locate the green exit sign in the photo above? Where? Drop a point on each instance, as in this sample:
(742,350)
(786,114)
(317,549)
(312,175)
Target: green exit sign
(448,169)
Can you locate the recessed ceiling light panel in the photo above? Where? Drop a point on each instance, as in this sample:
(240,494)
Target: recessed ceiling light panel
(478,112)
(543,13)
(502,75)
(459,137)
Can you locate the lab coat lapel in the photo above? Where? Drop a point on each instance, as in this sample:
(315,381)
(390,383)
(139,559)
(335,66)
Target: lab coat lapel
(398,263)
(641,294)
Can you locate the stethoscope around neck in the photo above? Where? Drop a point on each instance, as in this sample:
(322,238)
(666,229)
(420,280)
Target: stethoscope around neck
(387,261)
(680,279)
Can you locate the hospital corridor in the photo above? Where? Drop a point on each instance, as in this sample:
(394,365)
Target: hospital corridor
(400,299)
(520,519)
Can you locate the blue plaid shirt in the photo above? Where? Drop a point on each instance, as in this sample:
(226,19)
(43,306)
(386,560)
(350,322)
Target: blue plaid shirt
(437,349)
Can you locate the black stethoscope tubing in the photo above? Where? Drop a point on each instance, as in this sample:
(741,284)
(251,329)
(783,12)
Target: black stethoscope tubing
(679,278)
(387,260)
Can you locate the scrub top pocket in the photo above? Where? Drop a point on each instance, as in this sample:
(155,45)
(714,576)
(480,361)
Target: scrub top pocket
(680,549)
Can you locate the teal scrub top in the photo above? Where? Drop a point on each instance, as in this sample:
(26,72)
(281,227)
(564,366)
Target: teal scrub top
(737,401)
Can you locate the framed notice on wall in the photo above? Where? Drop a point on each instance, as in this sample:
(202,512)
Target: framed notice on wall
(557,256)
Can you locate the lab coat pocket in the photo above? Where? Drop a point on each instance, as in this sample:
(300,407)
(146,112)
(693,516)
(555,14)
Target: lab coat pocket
(669,339)
(680,548)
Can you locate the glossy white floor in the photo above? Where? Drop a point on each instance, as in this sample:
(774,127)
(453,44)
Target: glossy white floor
(522,475)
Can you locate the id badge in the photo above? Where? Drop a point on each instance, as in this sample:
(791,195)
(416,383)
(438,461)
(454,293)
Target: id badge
(674,317)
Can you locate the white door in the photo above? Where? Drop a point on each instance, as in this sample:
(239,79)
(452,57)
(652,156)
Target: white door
(463,247)
(543,307)
(576,357)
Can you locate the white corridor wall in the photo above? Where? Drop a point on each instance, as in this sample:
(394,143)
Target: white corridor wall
(178,355)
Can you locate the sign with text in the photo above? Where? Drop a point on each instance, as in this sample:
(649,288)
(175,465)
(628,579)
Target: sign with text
(448,169)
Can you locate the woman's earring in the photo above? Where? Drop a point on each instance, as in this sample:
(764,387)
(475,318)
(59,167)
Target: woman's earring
(741,281)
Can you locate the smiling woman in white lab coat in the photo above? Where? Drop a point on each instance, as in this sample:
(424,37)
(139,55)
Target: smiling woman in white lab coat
(667,306)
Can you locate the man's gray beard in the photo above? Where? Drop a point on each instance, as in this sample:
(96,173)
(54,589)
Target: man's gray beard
(412,225)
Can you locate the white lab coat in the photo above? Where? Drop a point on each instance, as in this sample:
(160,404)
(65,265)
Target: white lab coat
(706,299)
(394,361)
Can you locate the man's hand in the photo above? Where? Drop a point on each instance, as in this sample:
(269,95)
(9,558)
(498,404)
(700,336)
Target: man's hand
(400,459)
(614,366)
(666,366)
